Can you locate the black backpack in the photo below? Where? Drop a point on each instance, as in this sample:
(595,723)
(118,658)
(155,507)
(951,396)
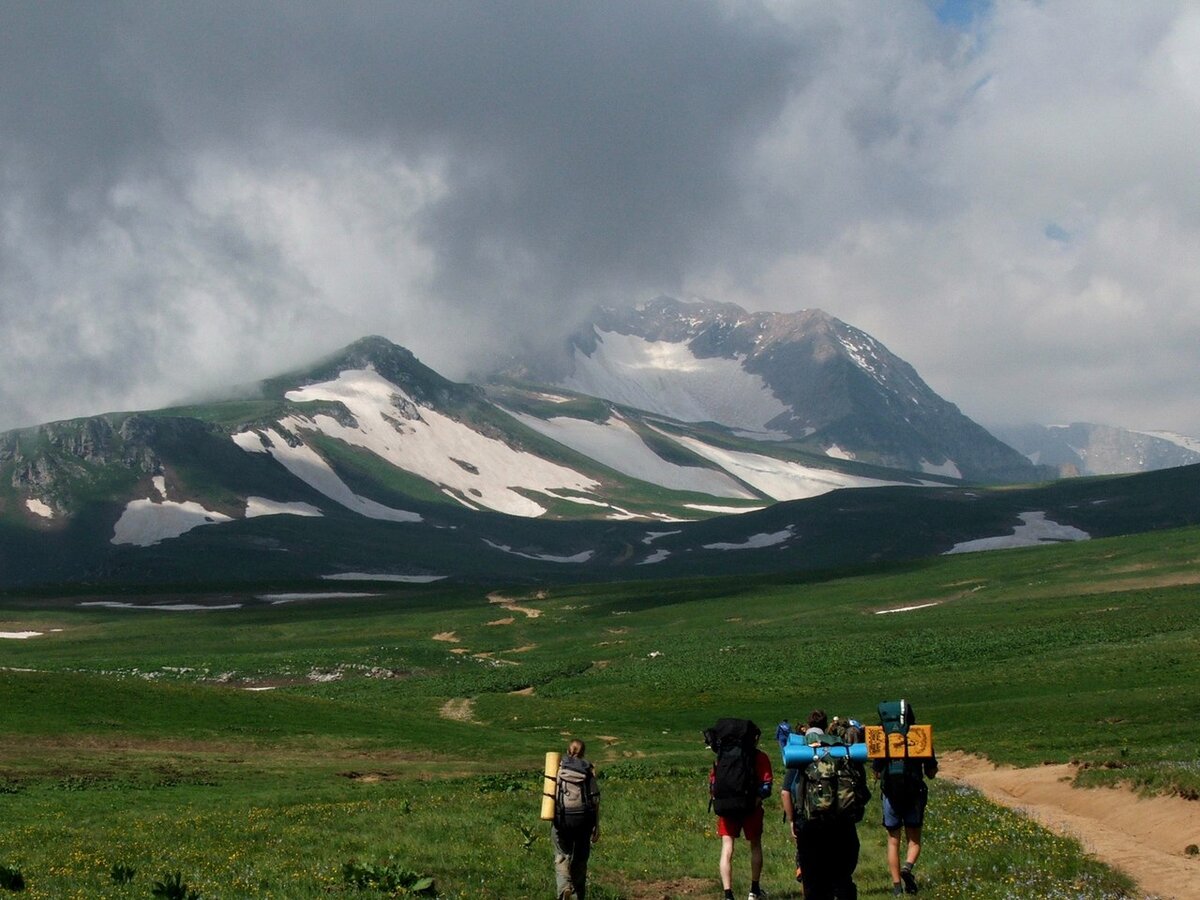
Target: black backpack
(734,781)
(575,794)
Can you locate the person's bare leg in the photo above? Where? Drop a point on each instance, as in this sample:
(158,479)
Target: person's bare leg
(893,854)
(913,833)
(756,859)
(726,865)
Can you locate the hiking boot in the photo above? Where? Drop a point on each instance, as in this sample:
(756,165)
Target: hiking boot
(910,883)
(760,894)
(897,890)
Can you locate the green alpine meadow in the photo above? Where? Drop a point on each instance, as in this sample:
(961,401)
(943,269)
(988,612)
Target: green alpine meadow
(227,742)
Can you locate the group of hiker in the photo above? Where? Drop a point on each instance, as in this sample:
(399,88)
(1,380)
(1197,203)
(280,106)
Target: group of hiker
(823,796)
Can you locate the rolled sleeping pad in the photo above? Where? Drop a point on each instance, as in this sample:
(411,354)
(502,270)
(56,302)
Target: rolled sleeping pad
(797,753)
(550,785)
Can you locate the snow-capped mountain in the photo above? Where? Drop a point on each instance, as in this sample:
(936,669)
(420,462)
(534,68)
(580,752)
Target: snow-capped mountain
(806,378)
(372,467)
(1082,448)
(373,432)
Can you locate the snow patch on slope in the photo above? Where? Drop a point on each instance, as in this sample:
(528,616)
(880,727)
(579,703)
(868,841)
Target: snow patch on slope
(261,506)
(382,576)
(947,469)
(432,446)
(1034,529)
(656,557)
(38,508)
(667,378)
(145,522)
(166,607)
(777,478)
(615,444)
(1179,440)
(543,557)
(866,357)
(755,541)
(307,465)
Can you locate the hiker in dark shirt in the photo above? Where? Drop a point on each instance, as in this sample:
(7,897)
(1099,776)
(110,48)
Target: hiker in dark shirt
(827,844)
(576,824)
(905,795)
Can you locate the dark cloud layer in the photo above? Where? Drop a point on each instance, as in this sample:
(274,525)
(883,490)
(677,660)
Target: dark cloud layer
(194,194)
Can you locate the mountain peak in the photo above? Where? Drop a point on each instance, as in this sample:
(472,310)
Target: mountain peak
(397,364)
(805,375)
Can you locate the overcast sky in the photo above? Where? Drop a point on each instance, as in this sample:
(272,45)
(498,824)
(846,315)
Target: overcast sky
(199,194)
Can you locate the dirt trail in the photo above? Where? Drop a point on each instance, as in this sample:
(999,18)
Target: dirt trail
(510,603)
(1144,837)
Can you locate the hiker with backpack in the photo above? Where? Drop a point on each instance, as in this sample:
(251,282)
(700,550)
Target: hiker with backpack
(905,795)
(576,823)
(739,781)
(823,800)
(782,732)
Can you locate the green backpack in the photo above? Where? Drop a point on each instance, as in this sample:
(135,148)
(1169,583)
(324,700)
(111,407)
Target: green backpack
(831,787)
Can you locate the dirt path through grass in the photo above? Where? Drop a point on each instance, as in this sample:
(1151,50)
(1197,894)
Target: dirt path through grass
(1144,837)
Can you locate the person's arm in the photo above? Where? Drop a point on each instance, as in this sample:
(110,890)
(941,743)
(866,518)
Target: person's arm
(789,808)
(766,776)
(596,796)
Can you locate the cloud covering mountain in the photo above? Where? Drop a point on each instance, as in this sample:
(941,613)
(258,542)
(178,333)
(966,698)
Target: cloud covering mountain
(193,193)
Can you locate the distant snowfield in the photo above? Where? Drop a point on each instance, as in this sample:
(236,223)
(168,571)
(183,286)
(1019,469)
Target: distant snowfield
(166,607)
(276,599)
(947,469)
(38,508)
(421,440)
(656,557)
(652,536)
(756,541)
(777,478)
(667,378)
(615,444)
(577,558)
(379,576)
(1179,440)
(733,510)
(19,635)
(1035,529)
(146,522)
(261,506)
(902,609)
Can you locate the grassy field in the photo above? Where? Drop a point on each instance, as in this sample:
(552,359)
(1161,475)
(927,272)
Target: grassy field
(404,731)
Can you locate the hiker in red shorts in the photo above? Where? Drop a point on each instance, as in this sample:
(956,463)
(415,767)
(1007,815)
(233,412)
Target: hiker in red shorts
(739,782)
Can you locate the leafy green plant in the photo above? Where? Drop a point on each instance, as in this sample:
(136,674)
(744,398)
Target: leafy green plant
(173,887)
(11,879)
(121,873)
(387,877)
(528,836)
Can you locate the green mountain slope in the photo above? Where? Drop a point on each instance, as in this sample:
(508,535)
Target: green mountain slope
(371,463)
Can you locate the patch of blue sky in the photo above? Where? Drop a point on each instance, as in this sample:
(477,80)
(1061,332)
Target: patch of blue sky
(959,13)
(1056,232)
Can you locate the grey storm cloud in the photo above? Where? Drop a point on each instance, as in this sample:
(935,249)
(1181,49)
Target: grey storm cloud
(588,139)
(200,194)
